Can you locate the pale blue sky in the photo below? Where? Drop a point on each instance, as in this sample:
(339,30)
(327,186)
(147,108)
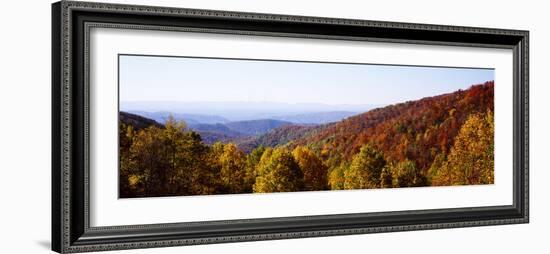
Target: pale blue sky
(147,78)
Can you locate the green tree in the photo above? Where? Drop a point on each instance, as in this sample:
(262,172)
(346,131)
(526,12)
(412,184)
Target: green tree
(365,169)
(204,178)
(336,177)
(278,172)
(313,169)
(407,175)
(252,161)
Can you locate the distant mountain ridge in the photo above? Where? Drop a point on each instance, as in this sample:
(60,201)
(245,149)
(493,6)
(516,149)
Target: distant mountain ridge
(162,116)
(214,128)
(243,111)
(236,131)
(296,118)
(317,117)
(138,122)
(210,133)
(256,127)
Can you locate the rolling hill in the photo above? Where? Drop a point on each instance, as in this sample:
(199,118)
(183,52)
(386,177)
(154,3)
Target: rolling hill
(136,121)
(256,127)
(239,131)
(212,133)
(402,131)
(276,137)
(415,130)
(316,117)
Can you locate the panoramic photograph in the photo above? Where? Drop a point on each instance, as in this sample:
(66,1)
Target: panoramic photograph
(212,126)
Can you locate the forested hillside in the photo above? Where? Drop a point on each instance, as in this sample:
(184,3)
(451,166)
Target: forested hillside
(442,140)
(136,121)
(277,137)
(316,118)
(416,130)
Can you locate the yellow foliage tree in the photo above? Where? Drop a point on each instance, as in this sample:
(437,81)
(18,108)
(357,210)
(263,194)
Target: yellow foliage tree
(233,169)
(408,175)
(336,177)
(128,182)
(252,161)
(386,177)
(169,161)
(471,159)
(278,172)
(313,169)
(365,169)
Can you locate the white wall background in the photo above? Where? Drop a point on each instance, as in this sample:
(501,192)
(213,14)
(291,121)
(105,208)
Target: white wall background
(25,125)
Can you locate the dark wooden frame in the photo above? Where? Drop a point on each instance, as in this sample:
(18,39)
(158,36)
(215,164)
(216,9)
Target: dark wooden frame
(71,22)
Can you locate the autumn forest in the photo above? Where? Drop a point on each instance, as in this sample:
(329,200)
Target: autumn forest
(442,140)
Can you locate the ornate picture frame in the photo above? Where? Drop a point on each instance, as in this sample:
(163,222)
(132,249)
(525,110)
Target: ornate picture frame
(71,196)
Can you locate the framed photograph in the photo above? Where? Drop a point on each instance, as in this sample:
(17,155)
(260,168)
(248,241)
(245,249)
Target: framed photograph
(182,126)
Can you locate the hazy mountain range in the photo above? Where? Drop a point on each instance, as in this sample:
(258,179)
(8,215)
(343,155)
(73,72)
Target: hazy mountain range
(232,121)
(222,112)
(214,128)
(190,119)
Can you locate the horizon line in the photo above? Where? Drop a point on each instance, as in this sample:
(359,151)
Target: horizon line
(275,102)
(296,103)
